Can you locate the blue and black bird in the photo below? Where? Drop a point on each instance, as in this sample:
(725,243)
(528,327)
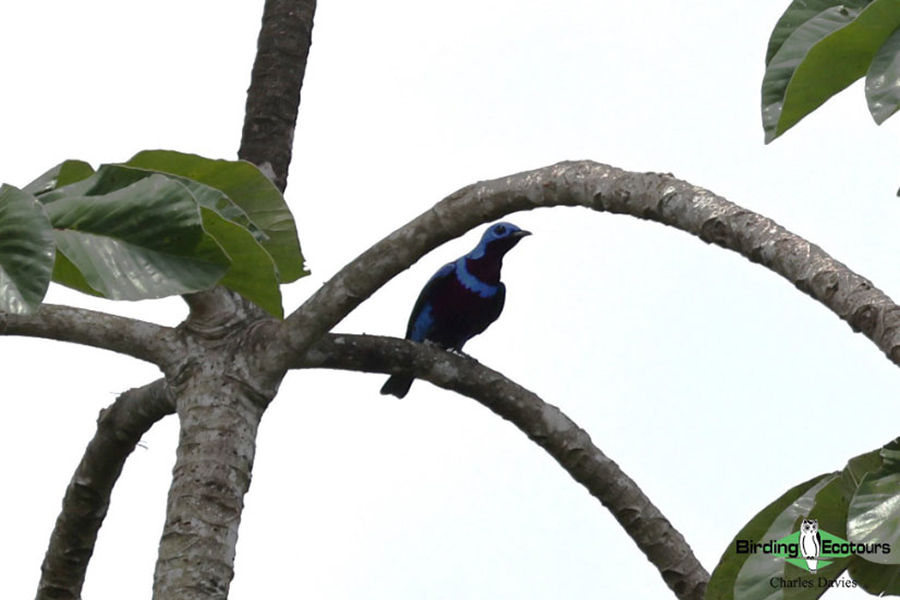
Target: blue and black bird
(461,299)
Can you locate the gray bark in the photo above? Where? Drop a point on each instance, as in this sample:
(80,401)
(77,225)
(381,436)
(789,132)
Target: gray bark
(656,197)
(219,420)
(273,99)
(142,340)
(220,400)
(119,429)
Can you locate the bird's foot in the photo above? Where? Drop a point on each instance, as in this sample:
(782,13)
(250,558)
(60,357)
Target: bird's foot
(462,354)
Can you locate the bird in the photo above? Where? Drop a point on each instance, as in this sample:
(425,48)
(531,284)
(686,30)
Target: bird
(461,299)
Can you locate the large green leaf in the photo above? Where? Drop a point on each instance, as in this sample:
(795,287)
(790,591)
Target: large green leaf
(874,513)
(65,173)
(223,206)
(826,498)
(747,575)
(880,580)
(252,272)
(65,271)
(872,577)
(108,178)
(883,80)
(208,228)
(27,251)
(821,502)
(859,466)
(143,240)
(247,187)
(821,57)
(205,195)
(798,13)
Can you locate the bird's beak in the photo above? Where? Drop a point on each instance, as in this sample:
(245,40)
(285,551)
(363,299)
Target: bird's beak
(521,233)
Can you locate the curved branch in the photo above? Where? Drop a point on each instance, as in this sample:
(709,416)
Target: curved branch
(119,428)
(140,339)
(543,423)
(273,99)
(656,197)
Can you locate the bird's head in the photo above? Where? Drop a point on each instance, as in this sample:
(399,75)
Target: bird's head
(499,238)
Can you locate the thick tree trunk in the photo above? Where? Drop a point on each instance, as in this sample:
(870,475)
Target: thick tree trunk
(220,417)
(219,403)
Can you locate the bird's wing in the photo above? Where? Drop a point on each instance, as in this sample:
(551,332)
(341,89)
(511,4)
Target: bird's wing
(421,319)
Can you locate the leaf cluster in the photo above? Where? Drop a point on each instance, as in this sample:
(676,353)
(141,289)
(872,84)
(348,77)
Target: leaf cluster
(819,47)
(160,224)
(858,503)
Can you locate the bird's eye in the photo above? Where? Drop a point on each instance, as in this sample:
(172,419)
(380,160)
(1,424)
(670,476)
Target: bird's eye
(500,229)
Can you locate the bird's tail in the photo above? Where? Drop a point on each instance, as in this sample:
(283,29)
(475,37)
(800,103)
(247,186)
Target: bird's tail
(397,385)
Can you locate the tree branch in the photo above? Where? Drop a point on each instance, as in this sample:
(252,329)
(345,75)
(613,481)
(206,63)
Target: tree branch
(142,340)
(656,197)
(119,428)
(273,99)
(543,423)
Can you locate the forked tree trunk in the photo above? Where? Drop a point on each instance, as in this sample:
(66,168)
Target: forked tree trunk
(219,403)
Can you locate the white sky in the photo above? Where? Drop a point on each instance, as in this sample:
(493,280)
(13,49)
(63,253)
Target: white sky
(704,376)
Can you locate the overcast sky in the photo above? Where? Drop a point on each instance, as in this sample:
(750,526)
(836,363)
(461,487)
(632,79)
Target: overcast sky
(701,374)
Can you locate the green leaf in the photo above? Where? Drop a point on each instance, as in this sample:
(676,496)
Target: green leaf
(65,271)
(108,178)
(747,575)
(824,501)
(216,200)
(874,578)
(205,195)
(883,80)
(874,513)
(252,272)
(247,187)
(822,57)
(27,251)
(859,466)
(217,228)
(798,13)
(64,173)
(143,240)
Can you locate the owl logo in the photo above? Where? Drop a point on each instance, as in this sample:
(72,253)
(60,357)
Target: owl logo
(810,543)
